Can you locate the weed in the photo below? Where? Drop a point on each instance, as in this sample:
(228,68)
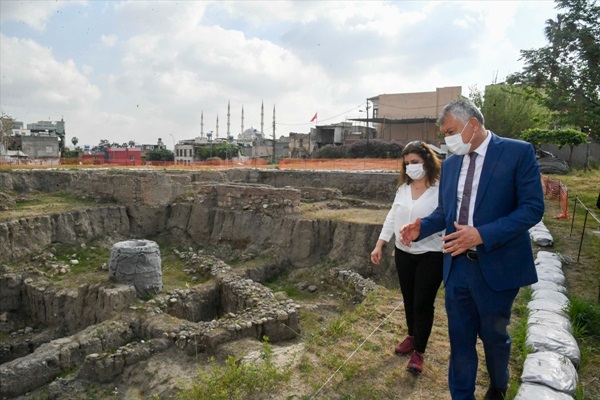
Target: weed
(585,318)
(237,380)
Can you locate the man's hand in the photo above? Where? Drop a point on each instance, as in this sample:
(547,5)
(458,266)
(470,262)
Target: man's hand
(464,238)
(410,232)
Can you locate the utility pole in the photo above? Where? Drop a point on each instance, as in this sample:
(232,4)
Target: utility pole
(273,133)
(368,130)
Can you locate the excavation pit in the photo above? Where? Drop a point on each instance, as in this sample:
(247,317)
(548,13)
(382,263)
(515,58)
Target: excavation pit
(100,329)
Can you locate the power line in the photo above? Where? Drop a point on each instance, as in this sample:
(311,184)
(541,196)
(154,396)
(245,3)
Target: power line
(325,119)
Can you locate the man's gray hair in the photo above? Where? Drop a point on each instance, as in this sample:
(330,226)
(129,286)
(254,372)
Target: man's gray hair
(462,109)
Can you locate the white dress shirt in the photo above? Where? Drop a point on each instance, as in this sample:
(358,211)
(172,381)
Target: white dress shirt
(481,150)
(405,210)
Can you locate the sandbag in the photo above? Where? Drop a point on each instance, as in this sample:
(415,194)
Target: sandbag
(550,318)
(547,285)
(551,338)
(532,391)
(550,369)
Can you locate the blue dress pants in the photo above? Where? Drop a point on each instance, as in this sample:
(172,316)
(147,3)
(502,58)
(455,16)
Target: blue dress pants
(474,309)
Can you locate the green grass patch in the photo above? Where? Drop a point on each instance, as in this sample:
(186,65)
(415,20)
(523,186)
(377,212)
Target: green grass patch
(237,380)
(44,203)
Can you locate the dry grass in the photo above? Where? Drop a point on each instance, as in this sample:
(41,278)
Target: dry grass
(349,214)
(43,204)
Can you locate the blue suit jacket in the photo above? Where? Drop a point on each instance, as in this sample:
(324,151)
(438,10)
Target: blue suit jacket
(509,202)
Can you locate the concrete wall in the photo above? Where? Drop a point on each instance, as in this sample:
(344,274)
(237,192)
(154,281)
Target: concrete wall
(579,153)
(40,146)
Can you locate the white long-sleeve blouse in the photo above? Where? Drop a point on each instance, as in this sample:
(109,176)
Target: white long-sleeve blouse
(405,210)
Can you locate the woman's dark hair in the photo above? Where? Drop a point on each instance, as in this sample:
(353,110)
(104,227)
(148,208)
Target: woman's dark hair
(431,163)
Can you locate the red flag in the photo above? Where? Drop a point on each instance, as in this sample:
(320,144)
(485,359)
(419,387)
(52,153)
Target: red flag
(314,118)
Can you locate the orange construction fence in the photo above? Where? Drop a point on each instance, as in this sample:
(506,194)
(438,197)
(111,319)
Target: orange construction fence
(102,163)
(323,164)
(342,164)
(555,189)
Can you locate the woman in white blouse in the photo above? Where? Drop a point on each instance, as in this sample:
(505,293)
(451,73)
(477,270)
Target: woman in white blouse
(419,267)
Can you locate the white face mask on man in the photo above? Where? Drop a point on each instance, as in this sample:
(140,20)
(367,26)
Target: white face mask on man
(415,171)
(456,144)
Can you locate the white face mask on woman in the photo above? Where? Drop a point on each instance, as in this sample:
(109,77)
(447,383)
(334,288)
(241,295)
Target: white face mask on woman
(415,171)
(456,144)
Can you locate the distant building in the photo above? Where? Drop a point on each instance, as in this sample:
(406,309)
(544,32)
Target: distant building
(56,127)
(299,146)
(42,140)
(249,135)
(123,155)
(39,145)
(405,117)
(146,148)
(338,134)
(265,148)
(184,151)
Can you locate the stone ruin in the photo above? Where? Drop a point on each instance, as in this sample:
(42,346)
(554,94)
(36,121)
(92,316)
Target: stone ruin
(227,308)
(94,332)
(137,262)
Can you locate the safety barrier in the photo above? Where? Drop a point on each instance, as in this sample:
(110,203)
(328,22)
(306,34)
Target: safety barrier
(342,164)
(319,164)
(102,163)
(555,189)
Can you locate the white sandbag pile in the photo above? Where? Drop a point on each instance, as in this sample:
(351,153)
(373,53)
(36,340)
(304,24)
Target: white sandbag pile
(541,235)
(549,371)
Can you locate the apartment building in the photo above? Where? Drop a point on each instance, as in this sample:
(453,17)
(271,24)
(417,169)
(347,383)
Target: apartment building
(404,117)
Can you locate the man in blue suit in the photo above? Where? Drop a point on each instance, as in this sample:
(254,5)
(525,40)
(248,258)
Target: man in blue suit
(486,211)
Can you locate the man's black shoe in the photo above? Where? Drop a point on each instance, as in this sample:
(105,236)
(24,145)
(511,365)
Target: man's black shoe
(495,394)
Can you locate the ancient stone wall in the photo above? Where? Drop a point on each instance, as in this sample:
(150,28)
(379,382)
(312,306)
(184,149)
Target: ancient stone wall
(27,236)
(154,188)
(68,310)
(366,185)
(51,359)
(275,202)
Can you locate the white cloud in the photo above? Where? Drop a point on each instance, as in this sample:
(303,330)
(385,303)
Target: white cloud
(32,13)
(109,40)
(31,78)
(158,65)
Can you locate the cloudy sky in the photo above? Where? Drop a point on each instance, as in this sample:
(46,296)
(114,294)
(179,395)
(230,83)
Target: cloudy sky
(143,70)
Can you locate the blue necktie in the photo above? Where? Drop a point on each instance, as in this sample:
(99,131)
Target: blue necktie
(463,214)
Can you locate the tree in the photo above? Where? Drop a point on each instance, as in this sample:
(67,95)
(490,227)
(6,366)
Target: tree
(101,146)
(535,136)
(558,137)
(568,137)
(131,143)
(74,140)
(567,70)
(222,150)
(160,155)
(6,124)
(476,96)
(509,110)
